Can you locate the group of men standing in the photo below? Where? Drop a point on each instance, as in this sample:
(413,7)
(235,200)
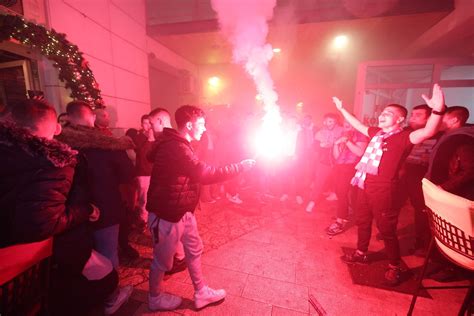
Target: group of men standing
(66,183)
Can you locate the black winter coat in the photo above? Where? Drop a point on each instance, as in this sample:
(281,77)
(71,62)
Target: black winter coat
(108,168)
(177,176)
(36,176)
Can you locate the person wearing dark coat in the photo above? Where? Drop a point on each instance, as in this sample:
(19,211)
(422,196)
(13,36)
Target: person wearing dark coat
(44,193)
(108,167)
(173,195)
(452,168)
(452,158)
(36,175)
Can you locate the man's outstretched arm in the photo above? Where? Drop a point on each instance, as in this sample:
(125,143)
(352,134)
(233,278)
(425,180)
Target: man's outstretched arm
(436,103)
(351,118)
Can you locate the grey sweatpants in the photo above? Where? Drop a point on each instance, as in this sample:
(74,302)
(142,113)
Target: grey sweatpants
(165,245)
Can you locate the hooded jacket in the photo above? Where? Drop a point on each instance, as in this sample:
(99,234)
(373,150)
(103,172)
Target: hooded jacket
(108,166)
(177,176)
(36,175)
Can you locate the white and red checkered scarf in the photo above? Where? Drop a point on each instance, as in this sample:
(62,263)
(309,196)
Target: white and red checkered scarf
(370,161)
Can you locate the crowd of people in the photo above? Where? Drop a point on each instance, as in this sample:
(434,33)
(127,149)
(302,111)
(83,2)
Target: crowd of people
(69,177)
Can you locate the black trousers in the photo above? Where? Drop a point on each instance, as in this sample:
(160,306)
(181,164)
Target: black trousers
(411,188)
(73,294)
(378,201)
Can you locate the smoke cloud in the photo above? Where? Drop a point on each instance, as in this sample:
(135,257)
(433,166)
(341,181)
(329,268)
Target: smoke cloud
(244,23)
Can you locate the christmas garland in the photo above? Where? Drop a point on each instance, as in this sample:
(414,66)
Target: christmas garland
(73,68)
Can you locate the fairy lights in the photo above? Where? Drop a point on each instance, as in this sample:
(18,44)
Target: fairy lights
(73,68)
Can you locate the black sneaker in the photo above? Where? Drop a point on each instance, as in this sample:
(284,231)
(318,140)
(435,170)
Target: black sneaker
(392,275)
(355,257)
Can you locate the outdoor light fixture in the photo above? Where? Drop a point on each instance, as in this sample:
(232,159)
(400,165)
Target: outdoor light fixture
(340,41)
(214,81)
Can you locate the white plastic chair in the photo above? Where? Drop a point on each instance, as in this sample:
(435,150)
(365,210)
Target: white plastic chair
(452,226)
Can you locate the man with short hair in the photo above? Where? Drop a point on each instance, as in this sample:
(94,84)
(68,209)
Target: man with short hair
(143,166)
(108,167)
(324,138)
(36,173)
(102,121)
(452,159)
(43,193)
(413,171)
(377,176)
(173,195)
(452,168)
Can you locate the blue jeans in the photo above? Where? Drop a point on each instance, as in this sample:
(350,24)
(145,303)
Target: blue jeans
(106,243)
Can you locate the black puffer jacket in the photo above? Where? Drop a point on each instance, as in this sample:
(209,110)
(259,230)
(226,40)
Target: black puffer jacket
(177,175)
(36,176)
(108,167)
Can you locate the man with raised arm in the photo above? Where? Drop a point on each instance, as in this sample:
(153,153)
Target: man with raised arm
(377,176)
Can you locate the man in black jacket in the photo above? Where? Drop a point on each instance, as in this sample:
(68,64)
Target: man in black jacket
(108,167)
(36,173)
(173,195)
(452,168)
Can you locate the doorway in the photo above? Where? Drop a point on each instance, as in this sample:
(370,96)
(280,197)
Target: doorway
(18,75)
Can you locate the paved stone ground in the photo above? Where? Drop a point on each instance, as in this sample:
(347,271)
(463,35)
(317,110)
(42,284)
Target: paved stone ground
(270,257)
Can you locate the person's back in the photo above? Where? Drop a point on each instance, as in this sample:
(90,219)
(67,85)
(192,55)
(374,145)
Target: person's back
(108,167)
(36,173)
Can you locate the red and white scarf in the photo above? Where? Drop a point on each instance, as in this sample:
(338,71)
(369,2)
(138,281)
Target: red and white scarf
(370,161)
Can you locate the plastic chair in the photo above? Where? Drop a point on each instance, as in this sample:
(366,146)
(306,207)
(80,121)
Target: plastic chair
(24,278)
(452,225)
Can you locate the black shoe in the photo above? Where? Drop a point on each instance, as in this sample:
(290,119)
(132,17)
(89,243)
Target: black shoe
(393,275)
(129,252)
(447,274)
(355,257)
(178,266)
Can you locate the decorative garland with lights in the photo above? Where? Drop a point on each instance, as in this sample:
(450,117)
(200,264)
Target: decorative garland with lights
(73,68)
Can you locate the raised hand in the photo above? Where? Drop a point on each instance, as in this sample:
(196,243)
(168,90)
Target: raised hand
(338,103)
(437,99)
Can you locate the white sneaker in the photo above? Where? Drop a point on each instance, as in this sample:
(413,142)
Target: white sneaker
(310,207)
(111,307)
(164,302)
(206,296)
(331,197)
(234,199)
(299,200)
(284,197)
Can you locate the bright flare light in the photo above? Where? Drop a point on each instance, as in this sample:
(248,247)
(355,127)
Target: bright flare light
(268,139)
(214,81)
(277,50)
(340,41)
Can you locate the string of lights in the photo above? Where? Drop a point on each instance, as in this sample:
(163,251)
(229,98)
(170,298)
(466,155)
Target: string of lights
(73,68)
